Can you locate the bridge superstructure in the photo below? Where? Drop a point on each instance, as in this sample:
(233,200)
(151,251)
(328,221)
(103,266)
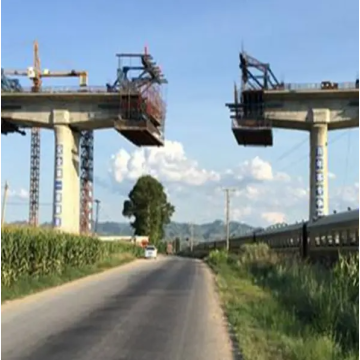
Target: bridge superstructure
(263,103)
(133,106)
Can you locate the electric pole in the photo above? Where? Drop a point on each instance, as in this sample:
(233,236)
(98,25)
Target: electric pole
(97,202)
(227,216)
(6,189)
(191,237)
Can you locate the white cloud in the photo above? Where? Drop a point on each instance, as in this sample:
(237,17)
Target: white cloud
(256,168)
(345,196)
(238,214)
(252,192)
(274,217)
(168,163)
(263,195)
(20,194)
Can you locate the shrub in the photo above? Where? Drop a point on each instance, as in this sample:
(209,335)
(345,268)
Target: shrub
(218,257)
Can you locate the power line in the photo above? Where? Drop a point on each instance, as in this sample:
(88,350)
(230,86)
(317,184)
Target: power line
(25,203)
(291,150)
(346,164)
(303,157)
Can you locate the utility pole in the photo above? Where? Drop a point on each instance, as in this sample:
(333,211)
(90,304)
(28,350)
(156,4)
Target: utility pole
(227,216)
(6,189)
(97,202)
(191,237)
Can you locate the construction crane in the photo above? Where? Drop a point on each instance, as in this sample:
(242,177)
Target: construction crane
(35,74)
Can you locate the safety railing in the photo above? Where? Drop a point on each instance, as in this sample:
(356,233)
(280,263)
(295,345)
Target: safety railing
(350,85)
(66,89)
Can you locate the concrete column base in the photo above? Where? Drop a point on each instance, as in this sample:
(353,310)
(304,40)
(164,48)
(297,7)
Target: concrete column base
(66,212)
(319,192)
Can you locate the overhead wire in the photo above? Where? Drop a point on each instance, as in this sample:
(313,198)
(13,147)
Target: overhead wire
(25,203)
(302,142)
(346,164)
(303,157)
(286,153)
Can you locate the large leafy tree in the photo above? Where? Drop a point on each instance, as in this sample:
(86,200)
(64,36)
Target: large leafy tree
(149,207)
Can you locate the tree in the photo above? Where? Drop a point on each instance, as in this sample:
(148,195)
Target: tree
(148,204)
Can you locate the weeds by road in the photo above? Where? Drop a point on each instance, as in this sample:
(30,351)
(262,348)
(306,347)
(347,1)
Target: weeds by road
(289,311)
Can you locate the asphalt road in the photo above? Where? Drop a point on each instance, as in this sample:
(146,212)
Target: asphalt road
(149,310)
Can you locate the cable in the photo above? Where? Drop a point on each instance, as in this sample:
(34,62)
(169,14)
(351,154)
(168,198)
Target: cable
(19,203)
(291,150)
(302,158)
(346,164)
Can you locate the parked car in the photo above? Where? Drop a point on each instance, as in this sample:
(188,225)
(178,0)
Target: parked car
(150,252)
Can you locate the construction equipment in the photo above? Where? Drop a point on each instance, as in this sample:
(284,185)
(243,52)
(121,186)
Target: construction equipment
(249,125)
(10,85)
(142,109)
(35,74)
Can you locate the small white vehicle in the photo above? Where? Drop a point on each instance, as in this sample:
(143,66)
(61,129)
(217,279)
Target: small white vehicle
(150,252)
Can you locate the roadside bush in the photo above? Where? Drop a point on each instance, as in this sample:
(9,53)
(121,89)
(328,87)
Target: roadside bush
(218,257)
(35,252)
(325,300)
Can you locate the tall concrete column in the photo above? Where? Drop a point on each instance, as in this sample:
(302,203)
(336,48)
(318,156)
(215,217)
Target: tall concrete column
(319,192)
(66,212)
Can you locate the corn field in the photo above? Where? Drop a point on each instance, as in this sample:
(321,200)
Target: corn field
(35,252)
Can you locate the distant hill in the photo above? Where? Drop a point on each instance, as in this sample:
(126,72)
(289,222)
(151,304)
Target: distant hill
(204,232)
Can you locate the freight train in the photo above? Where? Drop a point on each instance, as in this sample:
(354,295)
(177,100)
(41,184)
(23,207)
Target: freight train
(326,236)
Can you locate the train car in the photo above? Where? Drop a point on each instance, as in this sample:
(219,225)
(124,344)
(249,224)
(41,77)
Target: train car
(334,233)
(236,243)
(286,238)
(324,237)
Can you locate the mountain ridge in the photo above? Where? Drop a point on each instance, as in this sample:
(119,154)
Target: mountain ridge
(201,232)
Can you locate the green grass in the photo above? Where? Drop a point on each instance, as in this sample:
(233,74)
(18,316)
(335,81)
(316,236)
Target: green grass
(289,310)
(28,285)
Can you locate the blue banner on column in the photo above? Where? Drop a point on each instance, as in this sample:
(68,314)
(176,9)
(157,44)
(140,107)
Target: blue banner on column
(58,185)
(319,179)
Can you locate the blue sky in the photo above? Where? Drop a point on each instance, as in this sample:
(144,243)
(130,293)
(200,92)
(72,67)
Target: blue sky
(197,44)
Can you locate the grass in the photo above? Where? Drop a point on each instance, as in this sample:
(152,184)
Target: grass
(28,285)
(289,311)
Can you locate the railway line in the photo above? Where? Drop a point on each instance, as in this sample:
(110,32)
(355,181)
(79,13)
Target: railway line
(325,237)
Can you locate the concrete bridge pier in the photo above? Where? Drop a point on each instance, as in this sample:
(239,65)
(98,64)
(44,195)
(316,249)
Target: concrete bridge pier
(319,190)
(66,204)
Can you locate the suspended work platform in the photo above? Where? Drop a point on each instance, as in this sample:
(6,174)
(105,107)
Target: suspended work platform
(140,132)
(142,106)
(249,125)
